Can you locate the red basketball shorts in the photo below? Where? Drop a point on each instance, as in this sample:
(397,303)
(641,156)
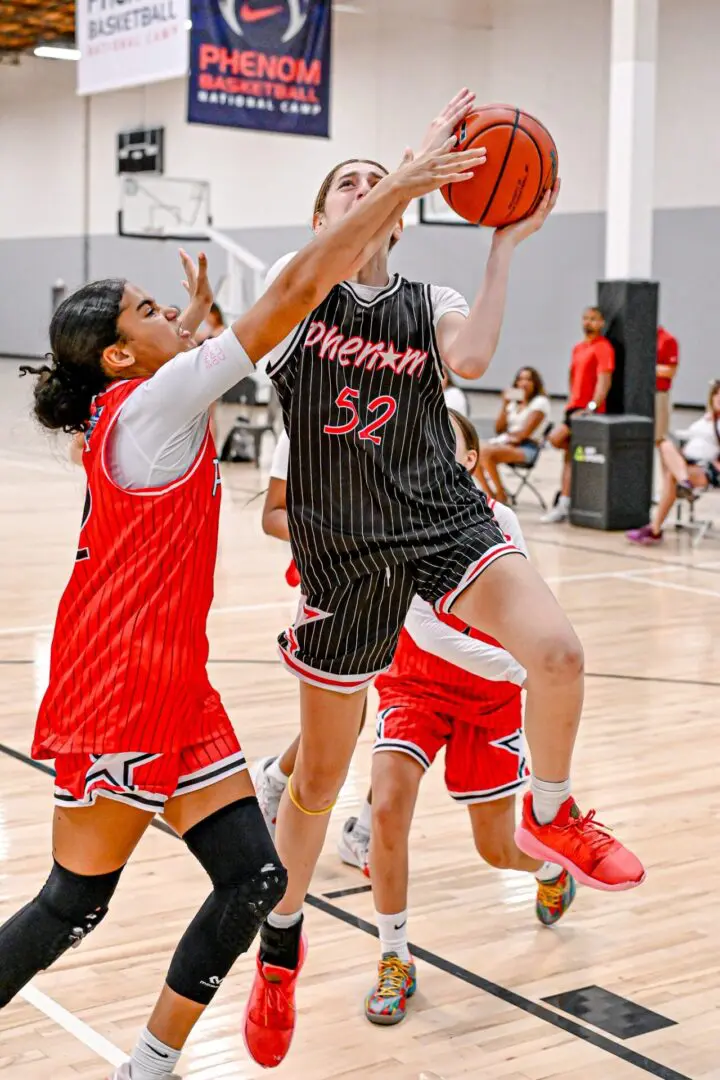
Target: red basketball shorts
(146,781)
(483,762)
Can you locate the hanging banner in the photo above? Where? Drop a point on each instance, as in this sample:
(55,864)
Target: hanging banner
(261,65)
(129,42)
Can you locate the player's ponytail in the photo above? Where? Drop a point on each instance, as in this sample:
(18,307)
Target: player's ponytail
(84,325)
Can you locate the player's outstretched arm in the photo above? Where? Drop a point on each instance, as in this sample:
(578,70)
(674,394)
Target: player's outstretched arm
(337,252)
(468,345)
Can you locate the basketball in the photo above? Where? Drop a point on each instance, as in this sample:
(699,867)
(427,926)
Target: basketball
(522,163)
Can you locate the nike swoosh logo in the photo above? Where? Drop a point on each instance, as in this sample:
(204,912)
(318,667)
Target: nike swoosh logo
(252,15)
(158,1052)
(400,926)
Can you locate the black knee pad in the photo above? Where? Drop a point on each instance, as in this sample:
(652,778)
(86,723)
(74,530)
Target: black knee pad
(66,910)
(234,847)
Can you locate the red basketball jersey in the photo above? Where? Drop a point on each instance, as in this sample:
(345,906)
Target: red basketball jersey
(419,675)
(127,668)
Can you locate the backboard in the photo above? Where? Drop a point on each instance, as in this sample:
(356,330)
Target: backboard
(164,208)
(435,211)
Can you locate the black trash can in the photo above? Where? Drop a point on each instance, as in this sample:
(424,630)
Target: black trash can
(612,462)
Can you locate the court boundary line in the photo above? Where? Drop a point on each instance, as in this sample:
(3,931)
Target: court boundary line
(509,997)
(288,604)
(588,674)
(72,1023)
(620,554)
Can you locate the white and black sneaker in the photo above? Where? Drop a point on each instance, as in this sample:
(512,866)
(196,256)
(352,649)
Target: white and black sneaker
(268,790)
(124,1073)
(354,846)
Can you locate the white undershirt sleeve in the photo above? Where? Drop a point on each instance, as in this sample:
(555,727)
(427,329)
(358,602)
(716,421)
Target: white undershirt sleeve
(444,300)
(161,426)
(479,658)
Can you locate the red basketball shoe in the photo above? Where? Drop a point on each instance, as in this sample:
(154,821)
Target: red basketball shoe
(270,1014)
(581,845)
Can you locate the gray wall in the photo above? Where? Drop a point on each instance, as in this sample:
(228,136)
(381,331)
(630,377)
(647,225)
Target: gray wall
(553,279)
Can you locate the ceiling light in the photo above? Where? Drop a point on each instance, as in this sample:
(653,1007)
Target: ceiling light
(57,52)
(188,24)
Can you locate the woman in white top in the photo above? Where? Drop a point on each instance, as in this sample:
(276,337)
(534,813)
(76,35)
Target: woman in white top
(524,413)
(455,398)
(694,468)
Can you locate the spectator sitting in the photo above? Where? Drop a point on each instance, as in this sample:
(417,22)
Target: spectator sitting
(696,467)
(593,362)
(455,398)
(524,413)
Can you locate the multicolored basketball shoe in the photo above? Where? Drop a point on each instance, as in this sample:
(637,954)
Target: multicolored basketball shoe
(554,898)
(581,845)
(396,983)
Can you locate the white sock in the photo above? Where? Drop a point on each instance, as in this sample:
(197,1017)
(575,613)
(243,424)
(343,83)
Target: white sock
(284,922)
(393,934)
(275,772)
(364,819)
(549,871)
(564,502)
(152,1059)
(547,798)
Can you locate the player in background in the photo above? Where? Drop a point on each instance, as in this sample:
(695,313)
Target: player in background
(449,687)
(379,510)
(129,715)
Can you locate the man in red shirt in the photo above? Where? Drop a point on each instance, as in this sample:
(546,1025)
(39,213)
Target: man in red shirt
(667,362)
(593,362)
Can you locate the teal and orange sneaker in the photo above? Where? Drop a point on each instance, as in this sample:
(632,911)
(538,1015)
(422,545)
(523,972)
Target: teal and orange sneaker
(554,898)
(396,982)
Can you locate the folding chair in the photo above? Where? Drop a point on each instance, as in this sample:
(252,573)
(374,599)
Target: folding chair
(698,527)
(524,472)
(254,422)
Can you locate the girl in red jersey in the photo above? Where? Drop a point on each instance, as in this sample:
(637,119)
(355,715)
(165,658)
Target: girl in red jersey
(129,715)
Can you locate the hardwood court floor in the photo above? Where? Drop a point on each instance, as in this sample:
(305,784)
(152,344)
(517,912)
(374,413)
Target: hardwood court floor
(647,758)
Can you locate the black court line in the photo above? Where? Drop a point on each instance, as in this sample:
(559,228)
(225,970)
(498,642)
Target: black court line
(588,675)
(540,1012)
(650,679)
(347,892)
(510,997)
(620,555)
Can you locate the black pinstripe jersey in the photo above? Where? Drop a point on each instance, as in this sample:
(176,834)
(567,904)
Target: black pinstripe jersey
(372,477)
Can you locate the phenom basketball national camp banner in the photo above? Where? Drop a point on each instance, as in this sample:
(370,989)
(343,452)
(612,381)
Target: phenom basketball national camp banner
(261,64)
(130,42)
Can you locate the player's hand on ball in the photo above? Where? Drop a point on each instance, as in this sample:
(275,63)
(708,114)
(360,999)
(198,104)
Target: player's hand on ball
(522,229)
(435,168)
(446,121)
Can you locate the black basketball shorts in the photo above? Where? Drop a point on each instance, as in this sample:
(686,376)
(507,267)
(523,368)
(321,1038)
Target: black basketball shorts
(344,636)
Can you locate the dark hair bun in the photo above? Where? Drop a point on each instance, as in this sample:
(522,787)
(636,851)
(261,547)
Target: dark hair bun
(84,325)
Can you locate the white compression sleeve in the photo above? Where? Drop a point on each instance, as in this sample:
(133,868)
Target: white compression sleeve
(161,427)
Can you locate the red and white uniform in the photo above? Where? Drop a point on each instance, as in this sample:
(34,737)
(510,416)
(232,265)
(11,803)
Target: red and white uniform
(129,709)
(451,686)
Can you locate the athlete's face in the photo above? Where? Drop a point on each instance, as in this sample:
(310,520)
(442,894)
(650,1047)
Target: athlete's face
(149,335)
(592,322)
(465,457)
(350,185)
(715,401)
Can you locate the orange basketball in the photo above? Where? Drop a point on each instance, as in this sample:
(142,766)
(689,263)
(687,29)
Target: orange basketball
(522,163)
